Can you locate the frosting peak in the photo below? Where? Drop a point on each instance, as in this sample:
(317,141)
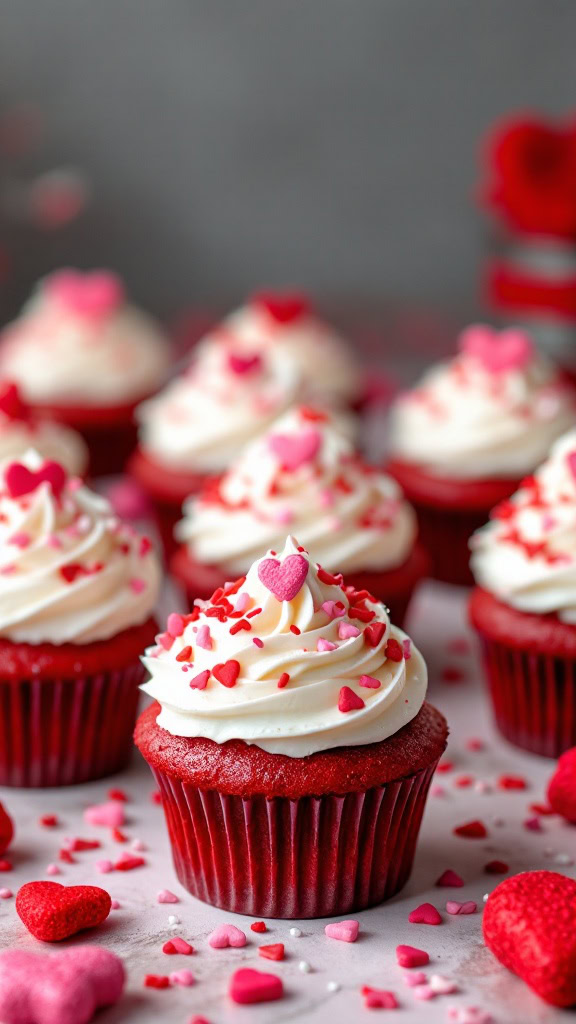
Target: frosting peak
(288,658)
(304,474)
(492,411)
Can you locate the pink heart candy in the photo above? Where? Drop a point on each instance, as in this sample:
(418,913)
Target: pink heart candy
(442,986)
(415,978)
(226,935)
(345,931)
(283,579)
(241,365)
(182,977)
(58,988)
(453,907)
(426,913)
(334,609)
(293,450)
(410,956)
(250,986)
(449,879)
(497,351)
(347,630)
(92,295)
(165,896)
(325,645)
(110,814)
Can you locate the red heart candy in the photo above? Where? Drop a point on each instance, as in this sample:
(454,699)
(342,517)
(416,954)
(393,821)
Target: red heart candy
(250,986)
(349,701)
(6,830)
(529,924)
(243,364)
(409,956)
(20,480)
(471,830)
(293,450)
(562,786)
(283,308)
(374,632)
(283,579)
(275,951)
(11,403)
(52,912)
(227,674)
(498,352)
(426,913)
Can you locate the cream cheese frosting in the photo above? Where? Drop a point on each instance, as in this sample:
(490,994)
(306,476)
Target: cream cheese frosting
(70,571)
(303,474)
(78,341)
(526,554)
(286,321)
(492,411)
(21,430)
(203,418)
(287,659)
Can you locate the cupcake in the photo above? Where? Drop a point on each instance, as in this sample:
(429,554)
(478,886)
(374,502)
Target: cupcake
(198,425)
(291,743)
(286,322)
(524,606)
(21,429)
(464,438)
(77,592)
(82,355)
(303,474)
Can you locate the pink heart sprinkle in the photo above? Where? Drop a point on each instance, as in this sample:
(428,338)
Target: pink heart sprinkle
(250,986)
(442,986)
(378,999)
(137,585)
(110,814)
(293,450)
(283,579)
(345,931)
(349,701)
(91,295)
(423,992)
(426,913)
(346,630)
(410,956)
(415,978)
(453,907)
(203,638)
(165,896)
(325,645)
(334,609)
(226,935)
(450,879)
(200,681)
(497,351)
(184,978)
(175,624)
(369,682)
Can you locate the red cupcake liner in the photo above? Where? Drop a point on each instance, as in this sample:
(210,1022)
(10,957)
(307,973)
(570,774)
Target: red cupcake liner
(445,534)
(301,858)
(63,731)
(533,697)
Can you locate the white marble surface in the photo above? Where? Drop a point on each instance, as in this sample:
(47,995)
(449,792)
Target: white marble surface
(138,929)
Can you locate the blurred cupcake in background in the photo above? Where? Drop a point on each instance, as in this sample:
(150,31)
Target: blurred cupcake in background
(524,605)
(197,426)
(22,429)
(303,475)
(463,439)
(84,356)
(77,596)
(286,322)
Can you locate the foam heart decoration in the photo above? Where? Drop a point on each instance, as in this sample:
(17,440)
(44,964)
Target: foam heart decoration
(562,786)
(426,913)
(345,931)
(92,295)
(242,365)
(283,579)
(20,480)
(52,912)
(58,988)
(6,830)
(11,403)
(529,924)
(294,450)
(227,935)
(228,673)
(497,351)
(285,307)
(250,986)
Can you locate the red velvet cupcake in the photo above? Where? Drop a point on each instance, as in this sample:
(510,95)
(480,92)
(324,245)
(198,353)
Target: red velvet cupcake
(303,473)
(291,743)
(524,608)
(462,441)
(86,358)
(77,592)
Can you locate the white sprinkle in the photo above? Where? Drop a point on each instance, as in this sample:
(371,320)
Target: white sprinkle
(295,933)
(173,919)
(485,896)
(563,858)
(138,846)
(483,787)
(333,986)
(304,966)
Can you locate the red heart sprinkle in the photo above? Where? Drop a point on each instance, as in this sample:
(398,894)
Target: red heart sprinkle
(52,912)
(243,364)
(283,579)
(272,952)
(250,986)
(349,701)
(426,913)
(471,830)
(409,956)
(374,632)
(284,308)
(496,867)
(11,403)
(20,480)
(259,926)
(228,673)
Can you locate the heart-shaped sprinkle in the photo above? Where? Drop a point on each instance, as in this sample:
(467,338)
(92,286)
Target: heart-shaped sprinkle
(349,701)
(294,450)
(11,403)
(228,673)
(177,945)
(241,365)
(165,896)
(283,579)
(275,951)
(92,295)
(426,913)
(67,987)
(441,985)
(374,632)
(453,907)
(325,645)
(562,786)
(285,307)
(378,998)
(111,814)
(20,480)
(249,986)
(497,351)
(203,638)
(346,630)
(226,935)
(450,879)
(410,956)
(200,681)
(52,912)
(334,610)
(369,682)
(345,931)
(183,977)
(471,830)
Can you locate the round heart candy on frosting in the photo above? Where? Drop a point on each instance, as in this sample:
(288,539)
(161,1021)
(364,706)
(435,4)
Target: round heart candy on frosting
(294,450)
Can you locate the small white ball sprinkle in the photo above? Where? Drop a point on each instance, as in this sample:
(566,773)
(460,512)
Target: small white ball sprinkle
(333,986)
(173,919)
(485,896)
(304,966)
(563,858)
(295,933)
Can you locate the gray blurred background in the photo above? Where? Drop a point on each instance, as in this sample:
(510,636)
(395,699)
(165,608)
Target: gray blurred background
(231,143)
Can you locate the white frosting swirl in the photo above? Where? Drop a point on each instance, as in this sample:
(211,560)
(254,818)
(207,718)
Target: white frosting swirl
(526,554)
(52,441)
(67,352)
(311,711)
(70,572)
(483,414)
(318,354)
(201,420)
(303,474)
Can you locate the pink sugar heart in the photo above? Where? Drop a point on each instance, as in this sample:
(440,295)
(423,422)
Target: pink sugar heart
(345,931)
(293,450)
(325,645)
(349,701)
(449,879)
(369,682)
(454,907)
(241,365)
(423,992)
(378,998)
(346,630)
(58,988)
(442,986)
(111,814)
(165,896)
(183,977)
(426,913)
(283,579)
(497,351)
(250,986)
(415,978)
(92,295)
(409,956)
(20,480)
(203,638)
(226,935)
(333,609)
